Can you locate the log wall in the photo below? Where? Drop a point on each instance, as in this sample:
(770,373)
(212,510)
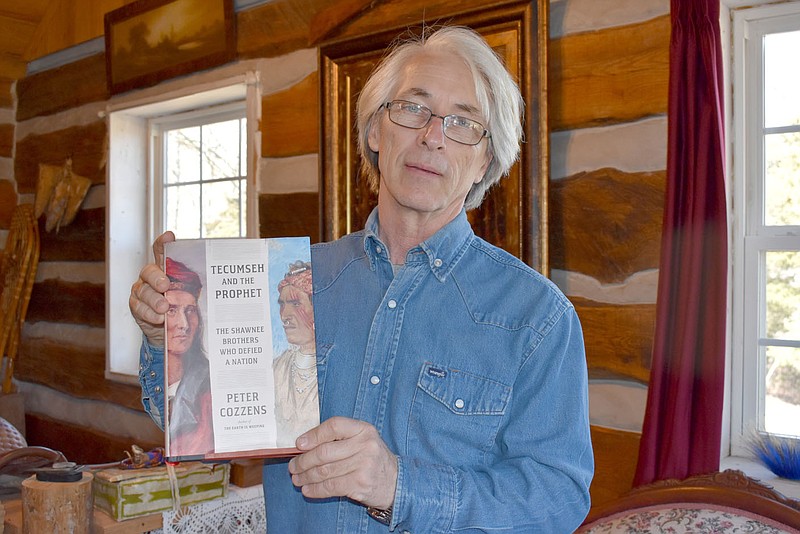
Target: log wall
(607,91)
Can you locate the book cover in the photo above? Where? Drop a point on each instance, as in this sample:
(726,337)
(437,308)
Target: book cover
(240,366)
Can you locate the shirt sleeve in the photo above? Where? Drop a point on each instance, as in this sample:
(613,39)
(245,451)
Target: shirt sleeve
(151,378)
(542,463)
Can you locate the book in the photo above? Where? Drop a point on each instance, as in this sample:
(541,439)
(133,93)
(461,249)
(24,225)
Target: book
(240,353)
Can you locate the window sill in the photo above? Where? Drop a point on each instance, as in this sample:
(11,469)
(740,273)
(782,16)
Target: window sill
(752,468)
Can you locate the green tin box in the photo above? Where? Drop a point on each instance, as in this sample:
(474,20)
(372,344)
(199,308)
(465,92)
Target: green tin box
(128,493)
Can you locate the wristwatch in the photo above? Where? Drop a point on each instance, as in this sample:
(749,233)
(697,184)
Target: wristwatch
(380,515)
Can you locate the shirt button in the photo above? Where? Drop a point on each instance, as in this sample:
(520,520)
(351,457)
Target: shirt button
(378,250)
(459,403)
(158,389)
(437,262)
(152,374)
(375,380)
(392,304)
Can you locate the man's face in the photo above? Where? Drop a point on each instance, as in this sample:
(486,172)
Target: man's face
(422,172)
(297,315)
(182,321)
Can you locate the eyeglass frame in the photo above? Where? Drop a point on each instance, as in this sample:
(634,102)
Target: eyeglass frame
(486,134)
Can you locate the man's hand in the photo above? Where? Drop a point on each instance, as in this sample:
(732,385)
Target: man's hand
(345,458)
(147,302)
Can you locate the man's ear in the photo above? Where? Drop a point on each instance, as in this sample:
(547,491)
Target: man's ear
(374,135)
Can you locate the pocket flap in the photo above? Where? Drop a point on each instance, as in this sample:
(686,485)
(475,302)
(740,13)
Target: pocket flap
(464,393)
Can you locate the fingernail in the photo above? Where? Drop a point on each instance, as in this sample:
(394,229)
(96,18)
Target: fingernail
(302,441)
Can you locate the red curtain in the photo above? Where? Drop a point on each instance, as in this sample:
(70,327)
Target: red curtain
(683,419)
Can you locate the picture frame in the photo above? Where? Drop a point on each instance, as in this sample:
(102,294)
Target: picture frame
(149,41)
(514,212)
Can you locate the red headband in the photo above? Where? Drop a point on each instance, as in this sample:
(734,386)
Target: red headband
(299,278)
(181,278)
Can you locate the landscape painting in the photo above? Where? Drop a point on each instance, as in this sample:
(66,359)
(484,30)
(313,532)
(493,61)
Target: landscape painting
(153,40)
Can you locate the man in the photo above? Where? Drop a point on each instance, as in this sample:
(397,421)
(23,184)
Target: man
(295,371)
(452,377)
(190,428)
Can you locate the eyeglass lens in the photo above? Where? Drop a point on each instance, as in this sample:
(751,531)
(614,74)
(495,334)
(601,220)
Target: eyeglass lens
(457,128)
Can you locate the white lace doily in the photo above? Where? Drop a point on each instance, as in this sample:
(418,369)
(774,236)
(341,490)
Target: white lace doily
(241,512)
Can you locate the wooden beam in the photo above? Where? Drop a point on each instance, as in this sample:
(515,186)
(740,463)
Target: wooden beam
(607,223)
(628,352)
(56,301)
(83,240)
(290,120)
(78,443)
(74,369)
(609,76)
(336,15)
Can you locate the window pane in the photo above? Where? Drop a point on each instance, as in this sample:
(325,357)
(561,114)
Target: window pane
(183,210)
(783,295)
(183,155)
(221,217)
(782,79)
(221,150)
(782,402)
(782,179)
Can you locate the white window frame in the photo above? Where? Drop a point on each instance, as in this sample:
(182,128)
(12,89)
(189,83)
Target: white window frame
(159,125)
(131,224)
(749,237)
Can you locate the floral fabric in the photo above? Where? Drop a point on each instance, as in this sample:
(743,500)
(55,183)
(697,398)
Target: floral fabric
(688,519)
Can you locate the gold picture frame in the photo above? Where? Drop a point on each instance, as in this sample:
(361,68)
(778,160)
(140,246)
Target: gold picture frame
(513,215)
(153,40)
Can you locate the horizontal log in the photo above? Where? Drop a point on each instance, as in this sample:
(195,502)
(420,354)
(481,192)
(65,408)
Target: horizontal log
(609,76)
(65,87)
(79,444)
(290,120)
(86,145)
(8,201)
(272,29)
(73,369)
(6,100)
(400,14)
(57,301)
(616,453)
(6,142)
(82,240)
(618,338)
(606,223)
(288,215)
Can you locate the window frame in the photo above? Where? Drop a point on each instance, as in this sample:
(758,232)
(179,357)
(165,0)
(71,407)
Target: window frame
(130,220)
(197,117)
(750,237)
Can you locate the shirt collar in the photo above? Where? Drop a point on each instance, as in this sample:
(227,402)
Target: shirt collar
(441,251)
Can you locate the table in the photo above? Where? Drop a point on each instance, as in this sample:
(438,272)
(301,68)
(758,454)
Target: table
(241,512)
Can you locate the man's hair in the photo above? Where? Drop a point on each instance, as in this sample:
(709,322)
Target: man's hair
(498,97)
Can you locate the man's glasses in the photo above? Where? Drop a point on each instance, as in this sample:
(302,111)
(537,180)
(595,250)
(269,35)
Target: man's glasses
(459,129)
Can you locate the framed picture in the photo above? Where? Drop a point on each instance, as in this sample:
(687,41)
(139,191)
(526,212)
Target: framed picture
(513,214)
(153,40)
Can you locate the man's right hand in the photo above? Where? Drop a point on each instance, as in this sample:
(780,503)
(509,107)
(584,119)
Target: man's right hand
(147,301)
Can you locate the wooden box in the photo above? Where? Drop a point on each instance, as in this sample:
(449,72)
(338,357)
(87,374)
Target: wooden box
(124,494)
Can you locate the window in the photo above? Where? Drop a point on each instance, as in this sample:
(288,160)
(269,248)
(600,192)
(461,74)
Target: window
(765,325)
(200,178)
(181,161)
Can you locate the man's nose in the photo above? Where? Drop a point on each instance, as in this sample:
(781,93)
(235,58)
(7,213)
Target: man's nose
(433,132)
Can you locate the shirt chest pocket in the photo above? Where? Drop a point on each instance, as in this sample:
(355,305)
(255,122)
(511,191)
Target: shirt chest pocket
(456,411)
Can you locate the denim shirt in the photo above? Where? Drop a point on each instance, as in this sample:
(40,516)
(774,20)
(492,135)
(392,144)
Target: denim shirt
(471,366)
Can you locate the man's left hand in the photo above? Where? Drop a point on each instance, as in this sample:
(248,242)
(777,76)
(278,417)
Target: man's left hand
(345,458)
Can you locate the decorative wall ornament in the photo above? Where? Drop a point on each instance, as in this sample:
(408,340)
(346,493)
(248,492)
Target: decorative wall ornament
(59,194)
